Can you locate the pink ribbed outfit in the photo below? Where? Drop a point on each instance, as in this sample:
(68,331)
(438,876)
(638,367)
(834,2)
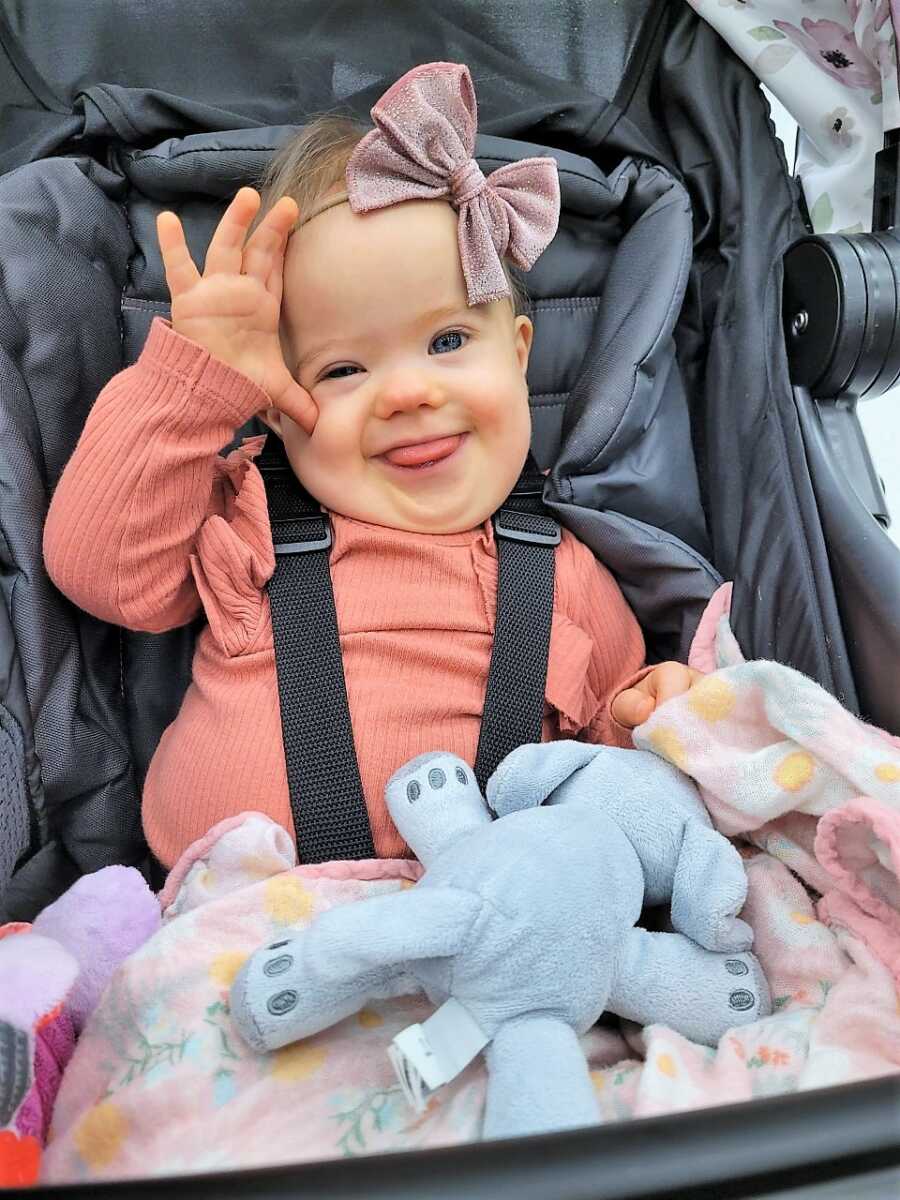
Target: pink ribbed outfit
(149,524)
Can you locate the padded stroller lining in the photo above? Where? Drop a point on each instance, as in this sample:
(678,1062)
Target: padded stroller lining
(15,814)
(307,56)
(61,276)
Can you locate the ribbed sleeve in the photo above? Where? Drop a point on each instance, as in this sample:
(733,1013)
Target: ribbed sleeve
(126,512)
(596,648)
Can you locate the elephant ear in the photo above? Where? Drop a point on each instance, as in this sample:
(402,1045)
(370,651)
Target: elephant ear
(531,773)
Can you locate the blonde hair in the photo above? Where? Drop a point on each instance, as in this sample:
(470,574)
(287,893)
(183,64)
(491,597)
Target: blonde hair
(313,162)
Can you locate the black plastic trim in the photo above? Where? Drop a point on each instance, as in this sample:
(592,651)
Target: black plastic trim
(737,1152)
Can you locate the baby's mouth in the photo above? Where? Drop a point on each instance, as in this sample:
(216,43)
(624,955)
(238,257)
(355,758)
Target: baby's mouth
(423,454)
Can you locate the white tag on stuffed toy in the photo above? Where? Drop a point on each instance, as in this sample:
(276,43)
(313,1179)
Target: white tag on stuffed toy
(427,1056)
(410,1080)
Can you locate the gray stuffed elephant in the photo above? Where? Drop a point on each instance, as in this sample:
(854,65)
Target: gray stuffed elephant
(524,926)
(685,862)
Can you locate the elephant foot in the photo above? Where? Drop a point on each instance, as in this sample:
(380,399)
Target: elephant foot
(738,993)
(709,890)
(538,1080)
(665,978)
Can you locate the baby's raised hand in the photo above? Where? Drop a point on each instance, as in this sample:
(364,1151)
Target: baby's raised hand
(232,309)
(636,704)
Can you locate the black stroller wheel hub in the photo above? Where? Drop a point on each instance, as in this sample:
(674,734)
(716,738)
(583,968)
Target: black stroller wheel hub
(840,313)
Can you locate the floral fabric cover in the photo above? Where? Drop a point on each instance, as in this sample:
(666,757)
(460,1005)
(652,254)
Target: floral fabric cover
(161,1083)
(833,65)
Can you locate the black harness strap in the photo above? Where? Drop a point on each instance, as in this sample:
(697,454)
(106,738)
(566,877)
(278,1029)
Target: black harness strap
(327,801)
(326,794)
(527,538)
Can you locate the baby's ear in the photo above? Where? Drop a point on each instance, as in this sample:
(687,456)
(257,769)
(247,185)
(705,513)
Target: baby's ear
(524,333)
(272,418)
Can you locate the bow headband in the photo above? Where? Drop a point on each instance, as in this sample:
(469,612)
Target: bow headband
(421,149)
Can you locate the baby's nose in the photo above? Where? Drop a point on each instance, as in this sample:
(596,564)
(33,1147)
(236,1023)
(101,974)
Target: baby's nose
(405,391)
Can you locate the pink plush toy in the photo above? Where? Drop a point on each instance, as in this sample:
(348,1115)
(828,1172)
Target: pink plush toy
(52,974)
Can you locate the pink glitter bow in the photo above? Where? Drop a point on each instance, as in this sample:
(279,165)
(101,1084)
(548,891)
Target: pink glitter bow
(421,149)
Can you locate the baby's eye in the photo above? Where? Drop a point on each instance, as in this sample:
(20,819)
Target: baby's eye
(340,372)
(453,339)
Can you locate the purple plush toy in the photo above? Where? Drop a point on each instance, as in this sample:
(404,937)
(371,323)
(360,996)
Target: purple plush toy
(52,974)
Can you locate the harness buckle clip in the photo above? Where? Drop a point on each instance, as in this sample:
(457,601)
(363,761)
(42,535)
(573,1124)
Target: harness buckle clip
(320,543)
(502,528)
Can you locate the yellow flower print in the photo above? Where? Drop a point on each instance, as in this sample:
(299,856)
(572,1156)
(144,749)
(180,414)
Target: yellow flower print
(100,1133)
(666,1064)
(794,772)
(225,966)
(888,772)
(712,698)
(287,900)
(298,1061)
(802,918)
(665,741)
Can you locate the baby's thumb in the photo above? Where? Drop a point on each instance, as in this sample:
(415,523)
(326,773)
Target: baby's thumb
(632,708)
(296,402)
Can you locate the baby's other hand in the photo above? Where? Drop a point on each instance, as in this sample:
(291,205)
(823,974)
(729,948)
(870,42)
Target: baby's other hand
(637,704)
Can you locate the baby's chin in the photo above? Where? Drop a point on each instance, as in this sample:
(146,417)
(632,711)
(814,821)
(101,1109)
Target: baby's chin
(449,518)
(445,499)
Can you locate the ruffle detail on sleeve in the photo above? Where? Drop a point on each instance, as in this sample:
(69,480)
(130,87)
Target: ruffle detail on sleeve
(568,690)
(234,558)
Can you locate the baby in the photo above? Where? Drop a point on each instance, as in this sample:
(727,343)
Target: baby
(382,343)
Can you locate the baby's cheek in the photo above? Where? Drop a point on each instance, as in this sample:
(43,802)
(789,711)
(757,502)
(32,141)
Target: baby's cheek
(502,400)
(510,441)
(335,431)
(514,420)
(333,456)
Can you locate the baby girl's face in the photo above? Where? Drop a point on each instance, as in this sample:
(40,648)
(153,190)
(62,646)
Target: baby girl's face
(423,407)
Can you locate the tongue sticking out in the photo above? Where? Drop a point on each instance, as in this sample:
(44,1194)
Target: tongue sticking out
(423,452)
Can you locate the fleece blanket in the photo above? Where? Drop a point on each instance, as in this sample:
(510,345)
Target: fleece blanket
(160,1082)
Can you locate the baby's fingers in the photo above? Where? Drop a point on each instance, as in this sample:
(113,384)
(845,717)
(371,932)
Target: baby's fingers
(632,707)
(224,256)
(181,273)
(296,402)
(264,252)
(670,679)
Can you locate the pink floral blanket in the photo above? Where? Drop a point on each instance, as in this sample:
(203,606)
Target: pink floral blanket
(161,1083)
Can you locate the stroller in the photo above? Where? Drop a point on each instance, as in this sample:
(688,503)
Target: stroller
(679,448)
